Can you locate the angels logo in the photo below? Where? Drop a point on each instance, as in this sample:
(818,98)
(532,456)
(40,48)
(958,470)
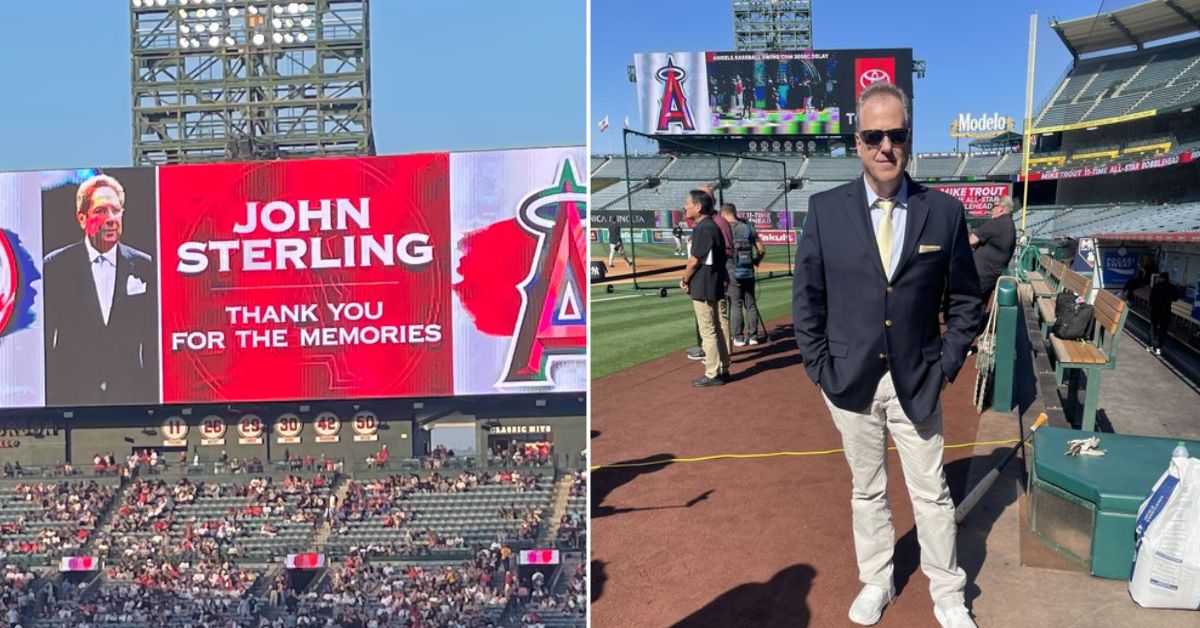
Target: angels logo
(552,325)
(535,300)
(17,273)
(673,108)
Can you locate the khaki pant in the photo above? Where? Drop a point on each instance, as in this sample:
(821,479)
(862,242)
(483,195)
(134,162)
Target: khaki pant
(712,318)
(864,438)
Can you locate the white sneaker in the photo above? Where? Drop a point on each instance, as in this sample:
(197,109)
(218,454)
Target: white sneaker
(954,617)
(753,340)
(1158,352)
(1149,349)
(738,342)
(868,606)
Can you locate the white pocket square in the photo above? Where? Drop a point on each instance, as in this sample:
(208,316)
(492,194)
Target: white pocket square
(928,248)
(134,286)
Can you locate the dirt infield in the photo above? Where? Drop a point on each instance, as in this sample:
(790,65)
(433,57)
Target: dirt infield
(645,264)
(756,542)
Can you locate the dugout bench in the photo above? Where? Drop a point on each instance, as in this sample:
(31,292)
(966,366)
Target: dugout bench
(1184,326)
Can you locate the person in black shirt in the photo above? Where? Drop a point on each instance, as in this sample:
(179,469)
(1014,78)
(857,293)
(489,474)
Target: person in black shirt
(616,244)
(677,233)
(705,279)
(1161,296)
(994,242)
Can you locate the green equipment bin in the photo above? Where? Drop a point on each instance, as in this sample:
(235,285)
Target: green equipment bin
(1086,506)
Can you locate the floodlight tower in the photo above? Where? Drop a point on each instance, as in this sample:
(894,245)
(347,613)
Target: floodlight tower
(219,80)
(772,24)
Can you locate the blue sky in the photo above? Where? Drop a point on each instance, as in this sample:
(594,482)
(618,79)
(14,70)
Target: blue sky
(975,51)
(446,75)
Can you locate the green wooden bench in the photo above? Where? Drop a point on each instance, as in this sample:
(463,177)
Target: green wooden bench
(1090,356)
(1086,507)
(1040,281)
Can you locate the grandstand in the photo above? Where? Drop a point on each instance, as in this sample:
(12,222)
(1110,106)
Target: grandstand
(1114,140)
(181,549)
(1126,83)
(659,183)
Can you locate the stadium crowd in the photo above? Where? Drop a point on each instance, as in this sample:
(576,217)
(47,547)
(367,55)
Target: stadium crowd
(16,596)
(572,527)
(539,600)
(124,603)
(520,454)
(366,594)
(384,499)
(157,547)
(47,506)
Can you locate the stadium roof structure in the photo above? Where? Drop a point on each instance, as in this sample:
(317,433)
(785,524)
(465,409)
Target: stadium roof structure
(1137,26)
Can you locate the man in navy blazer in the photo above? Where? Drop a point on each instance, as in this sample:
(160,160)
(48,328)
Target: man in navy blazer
(101,304)
(880,258)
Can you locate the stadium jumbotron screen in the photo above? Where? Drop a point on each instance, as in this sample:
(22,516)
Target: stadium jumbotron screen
(801,93)
(404,276)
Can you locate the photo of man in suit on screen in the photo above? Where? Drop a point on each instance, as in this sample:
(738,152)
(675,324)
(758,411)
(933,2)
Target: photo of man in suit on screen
(101,324)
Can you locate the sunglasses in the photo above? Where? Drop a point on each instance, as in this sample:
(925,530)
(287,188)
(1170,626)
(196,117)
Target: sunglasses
(874,137)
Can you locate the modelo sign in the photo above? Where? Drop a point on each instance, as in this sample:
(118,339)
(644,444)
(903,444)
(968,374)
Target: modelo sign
(984,125)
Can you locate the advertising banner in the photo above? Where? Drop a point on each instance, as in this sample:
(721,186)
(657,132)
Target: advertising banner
(623,218)
(400,276)
(1118,266)
(776,236)
(797,93)
(977,198)
(1095,171)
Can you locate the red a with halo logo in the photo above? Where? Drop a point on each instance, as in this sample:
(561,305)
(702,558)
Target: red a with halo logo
(673,108)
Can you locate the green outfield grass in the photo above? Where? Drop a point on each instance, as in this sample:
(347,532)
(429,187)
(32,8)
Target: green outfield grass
(631,327)
(775,252)
(643,250)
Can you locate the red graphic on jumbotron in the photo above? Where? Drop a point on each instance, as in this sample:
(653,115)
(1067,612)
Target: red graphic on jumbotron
(673,108)
(326,278)
(9,281)
(869,70)
(537,296)
(489,290)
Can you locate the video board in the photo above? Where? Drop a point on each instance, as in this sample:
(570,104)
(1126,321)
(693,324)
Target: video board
(418,275)
(797,93)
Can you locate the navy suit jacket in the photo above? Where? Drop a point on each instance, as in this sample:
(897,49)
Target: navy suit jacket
(88,362)
(852,324)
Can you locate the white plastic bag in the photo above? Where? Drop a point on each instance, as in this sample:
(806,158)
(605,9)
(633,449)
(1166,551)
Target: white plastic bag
(1166,561)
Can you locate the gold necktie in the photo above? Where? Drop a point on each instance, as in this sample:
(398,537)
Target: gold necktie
(883,236)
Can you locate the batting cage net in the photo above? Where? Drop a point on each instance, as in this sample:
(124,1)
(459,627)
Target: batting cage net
(639,228)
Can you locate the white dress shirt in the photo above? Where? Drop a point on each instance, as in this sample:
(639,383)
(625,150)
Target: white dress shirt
(899,220)
(104,275)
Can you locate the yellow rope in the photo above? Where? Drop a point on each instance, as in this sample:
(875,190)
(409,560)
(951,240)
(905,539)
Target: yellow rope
(777,454)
